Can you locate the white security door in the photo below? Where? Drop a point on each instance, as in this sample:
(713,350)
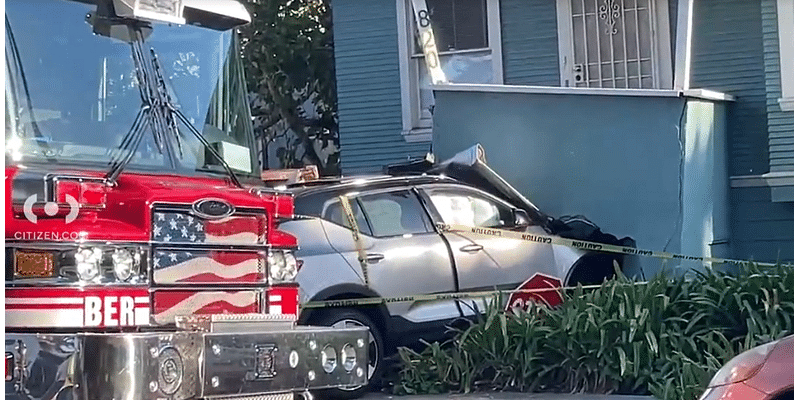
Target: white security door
(615,44)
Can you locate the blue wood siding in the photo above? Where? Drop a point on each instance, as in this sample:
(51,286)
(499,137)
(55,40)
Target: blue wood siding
(763,230)
(530,42)
(780,125)
(368,86)
(728,56)
(730,52)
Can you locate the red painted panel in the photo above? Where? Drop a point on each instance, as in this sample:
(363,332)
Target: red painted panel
(283,300)
(168,304)
(127,212)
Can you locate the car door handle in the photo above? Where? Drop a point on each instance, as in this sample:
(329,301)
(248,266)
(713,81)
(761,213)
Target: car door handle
(471,248)
(374,257)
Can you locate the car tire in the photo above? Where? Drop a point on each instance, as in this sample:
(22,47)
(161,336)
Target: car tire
(348,317)
(592,269)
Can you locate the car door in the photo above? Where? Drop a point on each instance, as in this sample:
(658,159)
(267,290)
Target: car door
(484,262)
(405,255)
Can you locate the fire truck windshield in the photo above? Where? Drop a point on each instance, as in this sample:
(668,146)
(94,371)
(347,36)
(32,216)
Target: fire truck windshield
(73,96)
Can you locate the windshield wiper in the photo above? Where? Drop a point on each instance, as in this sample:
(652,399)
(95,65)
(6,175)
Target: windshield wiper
(162,87)
(158,112)
(133,137)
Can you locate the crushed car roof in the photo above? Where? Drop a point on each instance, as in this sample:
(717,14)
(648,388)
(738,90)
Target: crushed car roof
(466,168)
(373,180)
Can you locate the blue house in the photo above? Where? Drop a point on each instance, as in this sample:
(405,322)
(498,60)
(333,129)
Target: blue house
(670,121)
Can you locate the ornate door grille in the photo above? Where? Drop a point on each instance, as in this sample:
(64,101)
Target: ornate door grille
(614,44)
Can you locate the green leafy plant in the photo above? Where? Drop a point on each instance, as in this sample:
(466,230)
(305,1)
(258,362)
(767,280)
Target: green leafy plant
(665,337)
(288,54)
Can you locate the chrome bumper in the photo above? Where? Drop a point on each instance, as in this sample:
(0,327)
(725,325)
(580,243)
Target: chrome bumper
(252,361)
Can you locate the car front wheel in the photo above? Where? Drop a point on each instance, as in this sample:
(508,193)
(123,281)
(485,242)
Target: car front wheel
(348,318)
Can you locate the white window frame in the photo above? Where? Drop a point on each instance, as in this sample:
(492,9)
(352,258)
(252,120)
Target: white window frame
(786,47)
(415,129)
(660,24)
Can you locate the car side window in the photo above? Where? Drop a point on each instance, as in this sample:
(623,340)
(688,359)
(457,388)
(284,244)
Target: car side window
(333,212)
(395,213)
(471,209)
(312,205)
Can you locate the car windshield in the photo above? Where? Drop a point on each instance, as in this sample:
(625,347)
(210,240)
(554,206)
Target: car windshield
(72,95)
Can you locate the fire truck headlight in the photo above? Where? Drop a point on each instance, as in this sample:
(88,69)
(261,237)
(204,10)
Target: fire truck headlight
(104,263)
(328,358)
(123,264)
(291,265)
(348,357)
(87,263)
(282,266)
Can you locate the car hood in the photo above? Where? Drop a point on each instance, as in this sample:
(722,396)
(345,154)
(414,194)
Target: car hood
(469,166)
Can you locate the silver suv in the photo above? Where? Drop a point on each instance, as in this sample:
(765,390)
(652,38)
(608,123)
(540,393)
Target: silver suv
(408,255)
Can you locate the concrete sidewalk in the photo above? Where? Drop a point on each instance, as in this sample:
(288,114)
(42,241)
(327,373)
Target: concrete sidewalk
(506,396)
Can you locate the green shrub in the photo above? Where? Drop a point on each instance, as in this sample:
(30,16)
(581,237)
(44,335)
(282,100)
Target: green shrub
(665,337)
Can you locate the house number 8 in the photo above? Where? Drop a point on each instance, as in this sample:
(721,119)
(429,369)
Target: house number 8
(424,19)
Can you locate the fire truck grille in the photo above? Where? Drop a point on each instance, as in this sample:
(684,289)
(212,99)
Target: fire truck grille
(177,226)
(208,267)
(190,250)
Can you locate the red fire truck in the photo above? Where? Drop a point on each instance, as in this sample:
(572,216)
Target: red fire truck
(142,255)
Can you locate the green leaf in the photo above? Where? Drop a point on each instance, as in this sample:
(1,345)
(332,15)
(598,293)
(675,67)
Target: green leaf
(651,340)
(636,359)
(622,361)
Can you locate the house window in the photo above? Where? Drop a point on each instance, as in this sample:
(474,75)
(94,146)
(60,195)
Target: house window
(614,43)
(467,36)
(786,45)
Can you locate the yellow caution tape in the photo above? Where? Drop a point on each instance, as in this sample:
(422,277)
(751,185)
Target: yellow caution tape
(365,301)
(351,219)
(592,246)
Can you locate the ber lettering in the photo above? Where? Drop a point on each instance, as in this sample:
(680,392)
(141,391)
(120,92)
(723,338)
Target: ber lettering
(109,311)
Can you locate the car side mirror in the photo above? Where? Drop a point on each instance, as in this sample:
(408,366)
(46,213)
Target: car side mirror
(521,218)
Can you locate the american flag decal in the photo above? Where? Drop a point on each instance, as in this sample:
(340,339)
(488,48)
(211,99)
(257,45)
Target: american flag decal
(281,303)
(208,266)
(182,227)
(180,303)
